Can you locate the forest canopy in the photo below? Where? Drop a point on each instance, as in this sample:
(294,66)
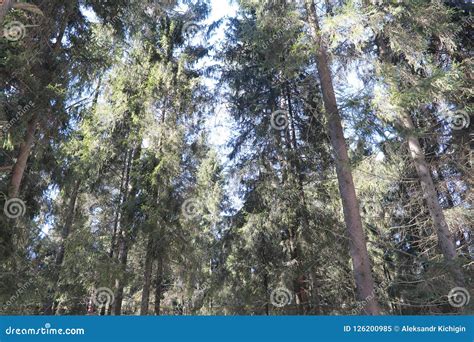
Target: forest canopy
(250,157)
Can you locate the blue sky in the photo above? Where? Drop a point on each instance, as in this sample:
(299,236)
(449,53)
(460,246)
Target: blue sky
(221,8)
(219,126)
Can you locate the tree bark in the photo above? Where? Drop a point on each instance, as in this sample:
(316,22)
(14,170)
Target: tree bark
(20,165)
(357,240)
(68,223)
(25,148)
(119,283)
(125,236)
(430,194)
(70,213)
(292,168)
(122,196)
(147,276)
(158,285)
(431,197)
(317,309)
(266,290)
(301,280)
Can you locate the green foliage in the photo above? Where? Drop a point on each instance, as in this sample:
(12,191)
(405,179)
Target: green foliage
(123,187)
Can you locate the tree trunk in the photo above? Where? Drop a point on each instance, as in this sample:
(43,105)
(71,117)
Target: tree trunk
(124,178)
(317,309)
(266,291)
(50,307)
(357,240)
(68,223)
(120,281)
(147,276)
(292,168)
(25,147)
(158,285)
(125,236)
(20,165)
(431,197)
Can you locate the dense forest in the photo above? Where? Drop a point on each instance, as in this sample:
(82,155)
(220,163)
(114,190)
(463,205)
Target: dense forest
(250,157)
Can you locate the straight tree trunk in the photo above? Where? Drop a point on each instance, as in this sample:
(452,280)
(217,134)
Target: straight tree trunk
(125,236)
(158,285)
(266,290)
(147,276)
(300,282)
(119,247)
(431,197)
(430,194)
(122,196)
(315,287)
(68,223)
(292,168)
(149,259)
(119,281)
(357,239)
(70,213)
